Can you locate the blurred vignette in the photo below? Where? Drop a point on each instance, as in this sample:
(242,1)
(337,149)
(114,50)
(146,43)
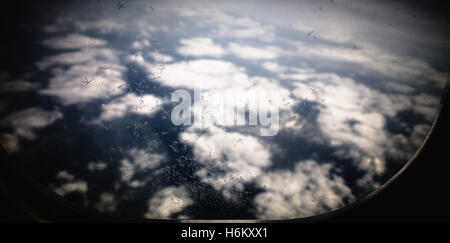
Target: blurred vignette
(86,103)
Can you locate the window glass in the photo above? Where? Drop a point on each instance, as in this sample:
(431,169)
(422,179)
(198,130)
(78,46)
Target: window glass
(220,109)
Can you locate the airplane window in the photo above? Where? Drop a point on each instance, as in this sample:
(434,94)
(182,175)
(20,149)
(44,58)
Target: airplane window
(246,110)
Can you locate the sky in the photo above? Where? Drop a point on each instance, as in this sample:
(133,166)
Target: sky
(86,103)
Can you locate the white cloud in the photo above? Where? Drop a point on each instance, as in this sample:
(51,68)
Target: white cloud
(375,58)
(257,31)
(138,45)
(426,105)
(347,114)
(351,115)
(167,202)
(398,87)
(365,23)
(299,74)
(139,160)
(24,123)
(104,26)
(73,41)
(79,57)
(200,46)
(204,74)
(96,166)
(82,83)
(354,114)
(274,67)
(227,25)
(251,52)
(221,106)
(69,184)
(228,159)
(309,190)
(65,175)
(161,57)
(130,103)
(106,202)
(348,101)
(93,74)
(241,27)
(403,147)
(144,160)
(78,186)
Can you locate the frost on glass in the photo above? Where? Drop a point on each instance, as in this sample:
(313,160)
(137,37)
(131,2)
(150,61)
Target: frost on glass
(222,109)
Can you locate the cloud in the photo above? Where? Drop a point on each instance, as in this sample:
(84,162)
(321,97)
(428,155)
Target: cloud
(138,45)
(399,88)
(144,160)
(138,161)
(337,47)
(167,202)
(157,56)
(78,186)
(69,184)
(402,148)
(79,57)
(92,74)
(200,46)
(224,24)
(346,101)
(426,104)
(241,27)
(376,59)
(355,115)
(104,26)
(106,202)
(18,86)
(24,123)
(145,105)
(274,67)
(251,52)
(241,106)
(388,25)
(96,166)
(228,159)
(348,114)
(309,189)
(300,76)
(257,31)
(82,83)
(87,73)
(65,176)
(75,23)
(73,41)
(204,74)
